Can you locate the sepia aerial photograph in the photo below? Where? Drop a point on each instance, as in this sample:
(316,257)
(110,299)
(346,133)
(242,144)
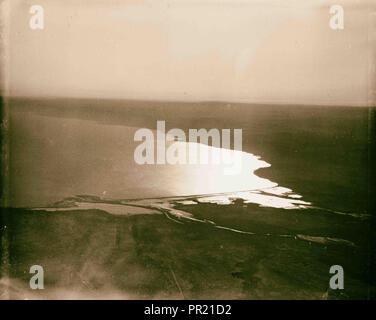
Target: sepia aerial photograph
(187,150)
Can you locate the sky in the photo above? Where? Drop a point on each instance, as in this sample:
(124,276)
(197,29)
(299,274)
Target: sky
(270,51)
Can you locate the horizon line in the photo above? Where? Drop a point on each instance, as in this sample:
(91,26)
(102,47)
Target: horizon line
(159,100)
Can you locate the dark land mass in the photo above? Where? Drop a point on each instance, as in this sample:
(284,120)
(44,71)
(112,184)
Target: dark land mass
(323,153)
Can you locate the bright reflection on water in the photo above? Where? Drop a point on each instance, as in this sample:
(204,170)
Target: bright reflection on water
(243,183)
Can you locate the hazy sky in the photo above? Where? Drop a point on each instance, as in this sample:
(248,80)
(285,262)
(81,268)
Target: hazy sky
(280,51)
